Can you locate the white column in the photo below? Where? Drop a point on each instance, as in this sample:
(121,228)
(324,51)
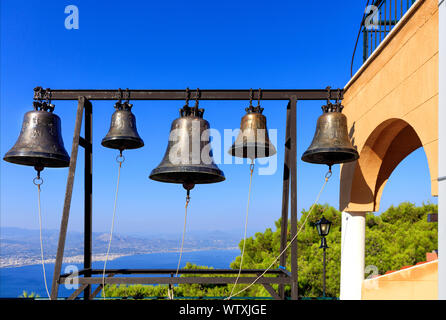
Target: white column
(442,156)
(352,255)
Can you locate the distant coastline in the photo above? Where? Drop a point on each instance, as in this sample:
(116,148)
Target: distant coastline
(22,262)
(21,247)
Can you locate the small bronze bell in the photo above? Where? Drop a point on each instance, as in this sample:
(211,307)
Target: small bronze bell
(253,140)
(188,159)
(122,134)
(331,143)
(40,141)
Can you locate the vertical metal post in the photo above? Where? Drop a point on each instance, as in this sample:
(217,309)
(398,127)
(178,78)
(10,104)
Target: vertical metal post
(293,167)
(380,26)
(365,42)
(324,276)
(88,194)
(401,9)
(375,36)
(385,19)
(390,15)
(285,198)
(67,201)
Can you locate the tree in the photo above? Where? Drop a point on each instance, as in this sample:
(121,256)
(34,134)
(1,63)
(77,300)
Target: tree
(27,295)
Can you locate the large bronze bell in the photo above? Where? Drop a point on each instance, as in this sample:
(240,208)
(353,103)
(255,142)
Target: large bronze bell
(331,143)
(122,134)
(253,140)
(188,159)
(40,141)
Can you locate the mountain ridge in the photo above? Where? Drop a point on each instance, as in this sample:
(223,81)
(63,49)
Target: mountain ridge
(19,246)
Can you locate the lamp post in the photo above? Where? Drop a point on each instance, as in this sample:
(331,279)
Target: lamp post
(323,228)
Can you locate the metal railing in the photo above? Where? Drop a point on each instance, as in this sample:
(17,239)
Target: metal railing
(379,18)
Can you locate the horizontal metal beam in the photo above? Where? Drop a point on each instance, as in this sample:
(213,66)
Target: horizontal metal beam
(175,280)
(267,94)
(181,271)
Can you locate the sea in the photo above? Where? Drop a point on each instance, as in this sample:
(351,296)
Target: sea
(15,280)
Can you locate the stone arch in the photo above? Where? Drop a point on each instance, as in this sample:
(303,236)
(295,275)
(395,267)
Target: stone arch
(363,181)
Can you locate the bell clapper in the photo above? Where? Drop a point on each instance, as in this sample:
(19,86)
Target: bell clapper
(329,173)
(38,180)
(120,158)
(188,187)
(187,197)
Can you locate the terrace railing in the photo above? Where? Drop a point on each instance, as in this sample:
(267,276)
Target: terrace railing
(380,17)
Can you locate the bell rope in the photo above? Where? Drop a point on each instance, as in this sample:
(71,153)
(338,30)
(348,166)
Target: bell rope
(38,181)
(251,169)
(120,159)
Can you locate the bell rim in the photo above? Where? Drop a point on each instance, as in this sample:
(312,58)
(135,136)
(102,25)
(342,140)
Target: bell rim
(158,173)
(308,153)
(56,160)
(270,147)
(139,142)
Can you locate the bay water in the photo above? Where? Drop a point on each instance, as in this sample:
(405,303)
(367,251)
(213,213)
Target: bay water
(15,280)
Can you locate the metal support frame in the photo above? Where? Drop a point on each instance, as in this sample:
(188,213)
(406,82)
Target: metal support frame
(86,277)
(285,198)
(266,94)
(82,102)
(293,165)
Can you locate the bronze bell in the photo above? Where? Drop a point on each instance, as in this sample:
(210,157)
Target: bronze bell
(122,134)
(253,140)
(331,143)
(188,159)
(40,141)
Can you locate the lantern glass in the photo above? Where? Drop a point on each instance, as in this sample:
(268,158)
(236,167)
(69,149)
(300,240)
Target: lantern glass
(323,227)
(318,228)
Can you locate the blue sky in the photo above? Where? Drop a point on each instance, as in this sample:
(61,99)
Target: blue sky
(174,45)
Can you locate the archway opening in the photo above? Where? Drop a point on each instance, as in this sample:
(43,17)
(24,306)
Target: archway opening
(363,182)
